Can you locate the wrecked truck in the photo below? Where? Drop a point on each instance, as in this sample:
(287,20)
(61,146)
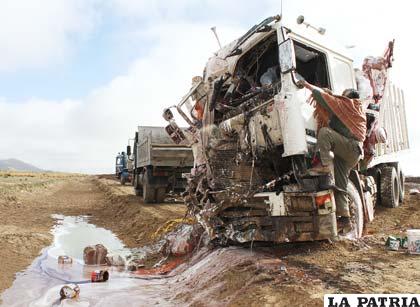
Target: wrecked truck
(253,136)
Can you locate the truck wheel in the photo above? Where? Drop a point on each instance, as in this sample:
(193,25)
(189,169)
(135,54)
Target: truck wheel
(149,193)
(356,212)
(160,195)
(390,187)
(137,189)
(402,186)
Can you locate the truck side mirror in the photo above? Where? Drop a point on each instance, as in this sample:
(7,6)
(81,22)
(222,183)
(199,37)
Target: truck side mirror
(167,114)
(128,150)
(175,133)
(287,57)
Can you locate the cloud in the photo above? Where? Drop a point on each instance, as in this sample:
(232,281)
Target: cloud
(84,135)
(161,11)
(40,33)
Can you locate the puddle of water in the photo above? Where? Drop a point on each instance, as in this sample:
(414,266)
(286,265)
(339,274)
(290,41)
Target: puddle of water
(40,283)
(73,233)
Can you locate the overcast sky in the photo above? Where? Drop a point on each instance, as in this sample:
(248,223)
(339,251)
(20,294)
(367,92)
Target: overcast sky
(78,76)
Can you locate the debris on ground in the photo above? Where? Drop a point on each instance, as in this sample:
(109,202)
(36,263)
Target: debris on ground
(414,191)
(146,256)
(413,242)
(69,291)
(115,260)
(171,225)
(99,276)
(63,259)
(393,243)
(161,269)
(184,239)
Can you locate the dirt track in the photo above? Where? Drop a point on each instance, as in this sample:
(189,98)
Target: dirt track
(285,275)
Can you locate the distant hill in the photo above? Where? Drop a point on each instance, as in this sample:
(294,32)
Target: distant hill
(17,165)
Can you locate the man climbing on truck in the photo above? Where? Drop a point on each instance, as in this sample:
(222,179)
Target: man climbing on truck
(342,130)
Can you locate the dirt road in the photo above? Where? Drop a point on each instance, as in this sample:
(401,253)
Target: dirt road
(27,202)
(285,275)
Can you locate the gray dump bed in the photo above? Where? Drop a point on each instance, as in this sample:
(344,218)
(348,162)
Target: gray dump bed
(156,148)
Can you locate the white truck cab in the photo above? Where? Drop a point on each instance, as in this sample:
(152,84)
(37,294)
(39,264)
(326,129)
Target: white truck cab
(257,134)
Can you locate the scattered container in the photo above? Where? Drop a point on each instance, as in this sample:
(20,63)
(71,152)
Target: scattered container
(413,238)
(99,276)
(283,268)
(94,255)
(69,291)
(65,260)
(393,243)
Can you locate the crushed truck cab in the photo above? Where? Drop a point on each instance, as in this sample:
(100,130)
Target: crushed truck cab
(253,135)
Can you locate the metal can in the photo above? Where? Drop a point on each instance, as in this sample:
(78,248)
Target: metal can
(65,260)
(404,242)
(99,276)
(69,291)
(393,243)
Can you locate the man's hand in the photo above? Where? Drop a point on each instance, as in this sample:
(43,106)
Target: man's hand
(301,83)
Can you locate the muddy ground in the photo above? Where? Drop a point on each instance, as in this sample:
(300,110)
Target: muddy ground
(283,275)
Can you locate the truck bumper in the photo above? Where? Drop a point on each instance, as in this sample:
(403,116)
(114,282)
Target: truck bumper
(287,217)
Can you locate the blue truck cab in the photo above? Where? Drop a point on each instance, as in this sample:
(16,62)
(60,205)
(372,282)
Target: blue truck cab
(121,168)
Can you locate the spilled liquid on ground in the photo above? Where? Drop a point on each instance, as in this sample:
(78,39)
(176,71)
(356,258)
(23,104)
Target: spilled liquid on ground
(40,283)
(192,282)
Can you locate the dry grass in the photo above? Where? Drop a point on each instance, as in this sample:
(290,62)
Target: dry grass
(13,184)
(7,174)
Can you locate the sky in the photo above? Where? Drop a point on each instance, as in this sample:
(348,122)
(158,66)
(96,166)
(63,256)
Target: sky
(78,76)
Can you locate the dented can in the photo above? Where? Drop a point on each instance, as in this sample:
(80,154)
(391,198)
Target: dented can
(99,276)
(393,243)
(65,260)
(69,291)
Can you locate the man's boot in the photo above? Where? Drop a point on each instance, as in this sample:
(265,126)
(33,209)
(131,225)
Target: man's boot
(325,174)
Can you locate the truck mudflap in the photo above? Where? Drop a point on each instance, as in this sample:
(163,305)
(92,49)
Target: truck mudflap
(271,217)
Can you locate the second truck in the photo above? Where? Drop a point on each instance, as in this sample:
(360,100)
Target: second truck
(158,164)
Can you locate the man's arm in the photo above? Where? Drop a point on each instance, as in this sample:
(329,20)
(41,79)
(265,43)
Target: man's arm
(316,93)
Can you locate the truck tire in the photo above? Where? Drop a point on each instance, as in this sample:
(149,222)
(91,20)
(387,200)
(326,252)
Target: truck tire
(389,187)
(402,186)
(149,193)
(137,188)
(356,211)
(160,195)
